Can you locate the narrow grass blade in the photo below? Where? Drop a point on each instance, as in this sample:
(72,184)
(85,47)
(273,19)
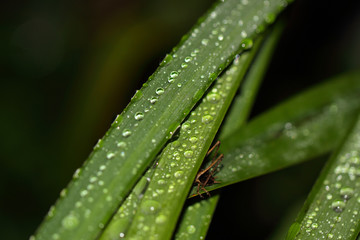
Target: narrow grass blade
(238,115)
(239,112)
(121,221)
(181,159)
(140,132)
(301,128)
(196,219)
(332,208)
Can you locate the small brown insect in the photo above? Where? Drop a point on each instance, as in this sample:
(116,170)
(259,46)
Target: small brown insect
(206,177)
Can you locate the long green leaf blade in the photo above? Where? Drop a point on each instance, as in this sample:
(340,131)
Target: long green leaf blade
(139,133)
(301,128)
(196,219)
(332,208)
(239,112)
(236,117)
(217,100)
(181,159)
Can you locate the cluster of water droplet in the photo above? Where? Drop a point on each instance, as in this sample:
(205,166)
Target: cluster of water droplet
(191,218)
(339,193)
(179,159)
(190,61)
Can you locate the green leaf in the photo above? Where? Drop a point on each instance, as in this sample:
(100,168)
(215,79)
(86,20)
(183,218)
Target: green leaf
(241,107)
(141,131)
(299,129)
(121,221)
(180,160)
(236,117)
(196,219)
(332,208)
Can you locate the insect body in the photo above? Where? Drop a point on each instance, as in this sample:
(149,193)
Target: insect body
(206,177)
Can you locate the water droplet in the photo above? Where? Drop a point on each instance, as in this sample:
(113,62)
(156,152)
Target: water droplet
(346,193)
(166,60)
(83,193)
(63,192)
(159,91)
(121,145)
(161,219)
(188,59)
(221,37)
(122,235)
(212,76)
(193,139)
(51,211)
(206,119)
(153,100)
(338,206)
(188,154)
(93,179)
(314,226)
(174,74)
(70,222)
(77,173)
(270,18)
(139,116)
(191,229)
(150,207)
(184,65)
(178,174)
(185,126)
(213,97)
(55,236)
(137,95)
(110,155)
(126,133)
(247,43)
(243,34)
(205,41)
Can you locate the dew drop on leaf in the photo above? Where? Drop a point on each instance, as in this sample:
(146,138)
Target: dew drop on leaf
(160,219)
(184,65)
(150,207)
(213,97)
(153,100)
(191,229)
(139,116)
(188,154)
(121,144)
(188,59)
(110,155)
(247,43)
(159,91)
(205,41)
(346,193)
(206,119)
(338,206)
(70,222)
(126,133)
(166,60)
(174,74)
(178,174)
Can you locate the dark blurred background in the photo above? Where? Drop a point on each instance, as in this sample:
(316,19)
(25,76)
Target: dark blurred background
(69,67)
